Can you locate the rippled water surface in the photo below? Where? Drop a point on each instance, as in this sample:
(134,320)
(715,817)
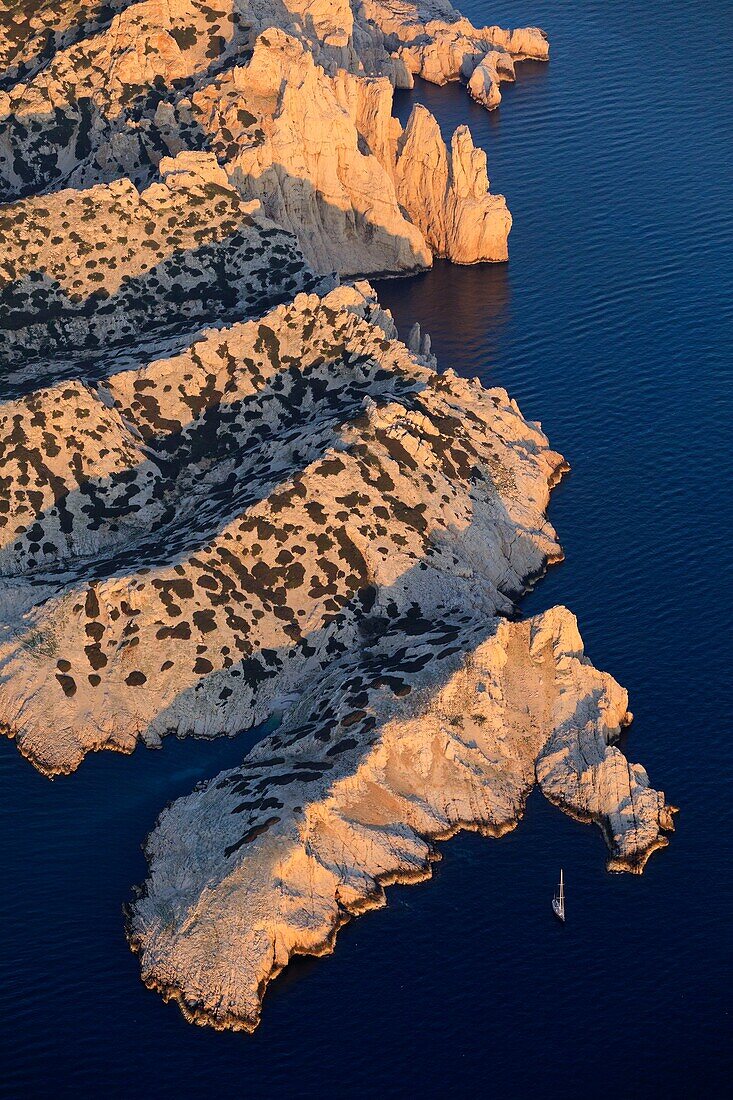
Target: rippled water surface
(612,325)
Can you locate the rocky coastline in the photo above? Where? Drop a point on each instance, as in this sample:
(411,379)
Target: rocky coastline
(230,490)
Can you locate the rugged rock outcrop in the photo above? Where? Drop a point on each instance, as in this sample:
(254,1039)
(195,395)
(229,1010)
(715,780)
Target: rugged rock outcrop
(433,40)
(318,148)
(328,160)
(303,469)
(80,270)
(319,153)
(438,724)
(288,510)
(446,192)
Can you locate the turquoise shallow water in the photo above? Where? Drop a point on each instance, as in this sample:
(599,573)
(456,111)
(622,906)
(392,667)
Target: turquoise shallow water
(612,324)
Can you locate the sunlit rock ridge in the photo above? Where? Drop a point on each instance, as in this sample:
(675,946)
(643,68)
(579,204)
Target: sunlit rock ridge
(228,490)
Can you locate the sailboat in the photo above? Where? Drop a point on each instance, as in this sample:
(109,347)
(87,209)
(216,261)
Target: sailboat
(558,901)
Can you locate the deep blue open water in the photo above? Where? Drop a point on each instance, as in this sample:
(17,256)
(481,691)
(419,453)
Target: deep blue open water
(612,325)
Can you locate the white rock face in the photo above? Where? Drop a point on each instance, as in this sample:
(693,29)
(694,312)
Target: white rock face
(335,168)
(317,146)
(319,153)
(433,40)
(436,726)
(446,192)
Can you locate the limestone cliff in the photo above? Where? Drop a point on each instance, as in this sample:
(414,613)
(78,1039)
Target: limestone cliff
(317,146)
(328,160)
(230,491)
(446,192)
(438,725)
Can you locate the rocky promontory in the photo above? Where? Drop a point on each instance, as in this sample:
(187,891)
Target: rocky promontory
(440,723)
(434,41)
(229,490)
(267,484)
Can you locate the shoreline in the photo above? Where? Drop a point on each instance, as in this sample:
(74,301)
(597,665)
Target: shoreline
(295,502)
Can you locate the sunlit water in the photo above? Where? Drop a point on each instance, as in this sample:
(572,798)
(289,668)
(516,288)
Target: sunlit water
(611,324)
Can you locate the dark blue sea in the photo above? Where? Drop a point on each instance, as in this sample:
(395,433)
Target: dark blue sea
(612,325)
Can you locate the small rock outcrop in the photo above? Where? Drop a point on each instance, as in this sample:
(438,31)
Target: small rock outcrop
(446,192)
(434,41)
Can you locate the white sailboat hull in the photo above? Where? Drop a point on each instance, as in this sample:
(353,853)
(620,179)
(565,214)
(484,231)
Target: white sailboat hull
(558,901)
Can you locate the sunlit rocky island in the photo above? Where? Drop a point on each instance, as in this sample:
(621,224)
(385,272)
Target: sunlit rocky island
(230,491)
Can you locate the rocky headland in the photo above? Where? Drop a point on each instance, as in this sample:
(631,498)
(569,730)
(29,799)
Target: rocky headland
(229,490)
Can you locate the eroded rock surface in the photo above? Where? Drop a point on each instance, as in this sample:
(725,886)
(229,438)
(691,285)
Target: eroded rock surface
(433,40)
(317,146)
(300,469)
(80,270)
(34,30)
(438,724)
(228,490)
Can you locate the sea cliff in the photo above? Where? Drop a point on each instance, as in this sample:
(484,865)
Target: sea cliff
(232,491)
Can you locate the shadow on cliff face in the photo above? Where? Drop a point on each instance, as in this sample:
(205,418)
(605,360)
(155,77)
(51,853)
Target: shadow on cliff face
(49,332)
(356,243)
(225,280)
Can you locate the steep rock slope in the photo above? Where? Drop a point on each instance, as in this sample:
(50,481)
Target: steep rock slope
(302,468)
(80,270)
(319,147)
